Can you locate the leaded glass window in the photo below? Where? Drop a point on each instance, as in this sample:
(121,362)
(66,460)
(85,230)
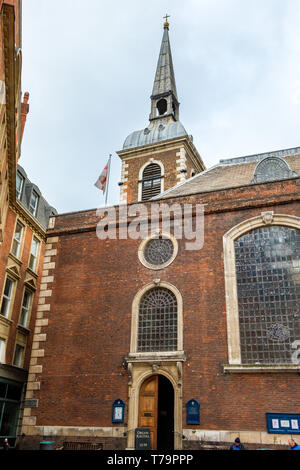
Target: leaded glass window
(268,285)
(158,251)
(157,324)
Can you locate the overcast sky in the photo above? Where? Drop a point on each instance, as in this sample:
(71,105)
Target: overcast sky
(89,67)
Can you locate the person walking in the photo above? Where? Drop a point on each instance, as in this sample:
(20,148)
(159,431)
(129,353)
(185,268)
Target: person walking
(237,445)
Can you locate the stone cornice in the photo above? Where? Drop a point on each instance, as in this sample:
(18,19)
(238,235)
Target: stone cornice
(31,222)
(9,68)
(165,145)
(13,372)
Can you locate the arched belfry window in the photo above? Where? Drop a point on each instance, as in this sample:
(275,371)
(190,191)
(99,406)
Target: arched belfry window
(267,261)
(157,321)
(151,181)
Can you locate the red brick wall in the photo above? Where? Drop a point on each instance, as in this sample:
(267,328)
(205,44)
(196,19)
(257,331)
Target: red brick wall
(90,319)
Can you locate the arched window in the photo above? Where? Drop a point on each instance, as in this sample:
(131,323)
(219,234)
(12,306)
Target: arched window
(157,321)
(151,181)
(272,169)
(262,280)
(268,288)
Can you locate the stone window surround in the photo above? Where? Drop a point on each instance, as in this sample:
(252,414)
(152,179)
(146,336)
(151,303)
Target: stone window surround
(232,314)
(11,297)
(22,179)
(140,185)
(135,315)
(18,255)
(30,291)
(37,257)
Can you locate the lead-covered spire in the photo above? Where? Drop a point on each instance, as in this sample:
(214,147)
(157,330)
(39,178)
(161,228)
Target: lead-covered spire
(164,101)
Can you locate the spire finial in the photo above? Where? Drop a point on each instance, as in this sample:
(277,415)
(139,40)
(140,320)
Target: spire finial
(166,24)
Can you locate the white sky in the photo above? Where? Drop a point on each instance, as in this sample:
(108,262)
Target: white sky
(89,67)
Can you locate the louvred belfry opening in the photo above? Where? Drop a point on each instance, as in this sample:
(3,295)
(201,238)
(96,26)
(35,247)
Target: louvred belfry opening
(151,182)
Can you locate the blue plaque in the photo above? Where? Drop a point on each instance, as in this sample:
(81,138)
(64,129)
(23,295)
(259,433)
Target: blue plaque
(118,411)
(283,423)
(193,412)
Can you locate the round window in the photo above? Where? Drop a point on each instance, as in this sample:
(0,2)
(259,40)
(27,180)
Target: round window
(158,252)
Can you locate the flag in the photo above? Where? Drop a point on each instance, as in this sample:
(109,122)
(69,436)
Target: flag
(102,180)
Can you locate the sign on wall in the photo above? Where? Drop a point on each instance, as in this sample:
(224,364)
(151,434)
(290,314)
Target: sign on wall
(283,423)
(118,411)
(142,439)
(192,412)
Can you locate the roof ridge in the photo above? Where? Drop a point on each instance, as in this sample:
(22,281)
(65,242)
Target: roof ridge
(260,156)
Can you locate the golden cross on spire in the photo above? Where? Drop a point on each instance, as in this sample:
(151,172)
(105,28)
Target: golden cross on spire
(166,24)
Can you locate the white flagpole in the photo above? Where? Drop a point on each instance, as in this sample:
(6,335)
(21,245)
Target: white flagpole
(106,194)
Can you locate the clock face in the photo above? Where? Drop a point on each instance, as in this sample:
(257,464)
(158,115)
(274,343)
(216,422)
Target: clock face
(118,412)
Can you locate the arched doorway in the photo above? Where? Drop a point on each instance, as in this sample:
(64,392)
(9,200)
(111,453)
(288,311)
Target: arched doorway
(156,411)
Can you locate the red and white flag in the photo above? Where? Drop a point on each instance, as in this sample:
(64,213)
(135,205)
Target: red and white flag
(102,180)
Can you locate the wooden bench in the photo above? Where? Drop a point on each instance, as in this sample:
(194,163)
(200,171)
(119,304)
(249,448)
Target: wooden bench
(79,445)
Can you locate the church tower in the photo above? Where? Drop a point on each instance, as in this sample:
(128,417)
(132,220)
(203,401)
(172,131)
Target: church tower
(162,154)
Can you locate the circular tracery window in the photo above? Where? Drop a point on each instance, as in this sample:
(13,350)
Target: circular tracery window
(158,251)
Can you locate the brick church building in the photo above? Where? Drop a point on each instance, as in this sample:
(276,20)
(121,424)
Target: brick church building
(198,345)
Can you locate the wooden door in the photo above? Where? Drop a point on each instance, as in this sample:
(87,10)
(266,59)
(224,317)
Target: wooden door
(148,407)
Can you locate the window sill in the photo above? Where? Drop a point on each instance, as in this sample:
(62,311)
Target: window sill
(5,320)
(15,259)
(260,368)
(159,356)
(31,272)
(23,329)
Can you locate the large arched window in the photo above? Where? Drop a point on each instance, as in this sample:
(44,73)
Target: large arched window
(157,321)
(262,277)
(151,181)
(268,287)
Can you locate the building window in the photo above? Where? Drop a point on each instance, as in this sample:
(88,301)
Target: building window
(19,356)
(33,205)
(272,169)
(10,398)
(34,254)
(7,297)
(158,251)
(2,350)
(157,321)
(26,304)
(19,185)
(17,239)
(267,273)
(151,181)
